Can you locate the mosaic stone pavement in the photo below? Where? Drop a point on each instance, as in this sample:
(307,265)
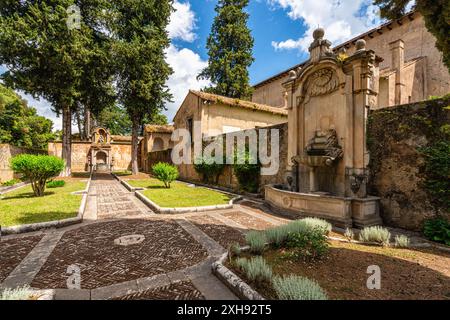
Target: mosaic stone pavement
(166,257)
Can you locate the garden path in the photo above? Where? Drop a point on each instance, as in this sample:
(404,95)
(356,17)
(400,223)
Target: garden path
(167,257)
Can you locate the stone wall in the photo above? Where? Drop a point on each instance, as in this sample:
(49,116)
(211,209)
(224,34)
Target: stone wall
(6,153)
(228,180)
(396,135)
(80,152)
(157,156)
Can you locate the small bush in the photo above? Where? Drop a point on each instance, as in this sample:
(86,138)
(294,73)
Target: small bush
(311,243)
(375,234)
(247,173)
(317,223)
(165,172)
(209,169)
(235,250)
(38,169)
(256,240)
(21,293)
(349,234)
(277,236)
(402,241)
(56,184)
(256,269)
(10,183)
(437,230)
(297,288)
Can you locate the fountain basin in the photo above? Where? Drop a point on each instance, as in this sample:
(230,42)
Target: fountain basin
(341,211)
(316,161)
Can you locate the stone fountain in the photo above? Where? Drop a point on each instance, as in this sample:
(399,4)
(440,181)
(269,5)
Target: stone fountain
(328,100)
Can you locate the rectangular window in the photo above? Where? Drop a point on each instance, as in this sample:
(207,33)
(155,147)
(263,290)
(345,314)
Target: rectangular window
(190,126)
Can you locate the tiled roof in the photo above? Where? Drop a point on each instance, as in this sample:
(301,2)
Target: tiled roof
(239,103)
(347,44)
(159,128)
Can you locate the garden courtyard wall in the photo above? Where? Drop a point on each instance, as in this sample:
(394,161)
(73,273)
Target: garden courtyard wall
(396,135)
(6,153)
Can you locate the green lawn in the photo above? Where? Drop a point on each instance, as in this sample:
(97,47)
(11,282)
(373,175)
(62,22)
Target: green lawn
(21,207)
(179,195)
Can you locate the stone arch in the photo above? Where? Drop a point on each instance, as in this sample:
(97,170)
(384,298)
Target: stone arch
(101,157)
(158,144)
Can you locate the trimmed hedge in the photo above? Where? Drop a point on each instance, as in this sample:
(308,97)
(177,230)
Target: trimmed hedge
(37,169)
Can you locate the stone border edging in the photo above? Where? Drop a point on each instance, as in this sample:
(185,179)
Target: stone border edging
(129,187)
(238,286)
(164,210)
(51,224)
(376,244)
(14,187)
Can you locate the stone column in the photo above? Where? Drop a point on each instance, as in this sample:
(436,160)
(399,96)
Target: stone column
(398,61)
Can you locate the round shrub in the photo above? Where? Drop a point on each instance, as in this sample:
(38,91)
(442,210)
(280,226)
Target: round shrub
(321,224)
(256,240)
(297,288)
(37,169)
(375,234)
(256,269)
(402,241)
(309,244)
(165,172)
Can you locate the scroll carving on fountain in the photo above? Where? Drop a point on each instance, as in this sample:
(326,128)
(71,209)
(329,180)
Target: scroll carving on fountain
(328,99)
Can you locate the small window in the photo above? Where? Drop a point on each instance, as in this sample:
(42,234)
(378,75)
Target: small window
(190,126)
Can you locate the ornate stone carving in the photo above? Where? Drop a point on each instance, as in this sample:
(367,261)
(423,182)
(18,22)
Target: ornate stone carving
(325,144)
(322,81)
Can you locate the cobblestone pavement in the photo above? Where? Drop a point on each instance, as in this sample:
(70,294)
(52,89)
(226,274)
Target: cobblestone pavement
(12,252)
(125,251)
(184,290)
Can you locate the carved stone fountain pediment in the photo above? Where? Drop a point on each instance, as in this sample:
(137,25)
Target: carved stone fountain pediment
(327,148)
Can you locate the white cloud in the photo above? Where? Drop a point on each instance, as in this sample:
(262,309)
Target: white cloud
(341,19)
(186,65)
(182,22)
(43,108)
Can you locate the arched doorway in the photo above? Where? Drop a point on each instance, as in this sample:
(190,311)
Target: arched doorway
(158,144)
(101,160)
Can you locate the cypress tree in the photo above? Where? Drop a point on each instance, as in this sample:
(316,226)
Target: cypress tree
(230,49)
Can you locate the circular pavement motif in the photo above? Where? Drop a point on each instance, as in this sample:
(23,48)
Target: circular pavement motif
(166,247)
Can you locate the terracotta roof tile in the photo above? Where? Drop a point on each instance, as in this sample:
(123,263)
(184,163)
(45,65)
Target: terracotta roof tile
(239,103)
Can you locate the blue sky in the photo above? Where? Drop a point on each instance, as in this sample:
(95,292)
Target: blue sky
(281,28)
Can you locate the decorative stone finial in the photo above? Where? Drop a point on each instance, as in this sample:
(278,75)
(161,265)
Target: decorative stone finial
(318,33)
(292,74)
(319,47)
(360,45)
(342,50)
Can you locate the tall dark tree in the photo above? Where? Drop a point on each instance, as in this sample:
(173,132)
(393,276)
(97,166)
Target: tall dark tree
(139,30)
(45,57)
(230,49)
(436,14)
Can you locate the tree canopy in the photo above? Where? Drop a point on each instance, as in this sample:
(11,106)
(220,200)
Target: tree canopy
(436,14)
(20,125)
(140,40)
(48,59)
(230,50)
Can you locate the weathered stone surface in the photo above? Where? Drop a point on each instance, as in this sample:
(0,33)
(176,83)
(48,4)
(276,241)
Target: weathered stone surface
(396,135)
